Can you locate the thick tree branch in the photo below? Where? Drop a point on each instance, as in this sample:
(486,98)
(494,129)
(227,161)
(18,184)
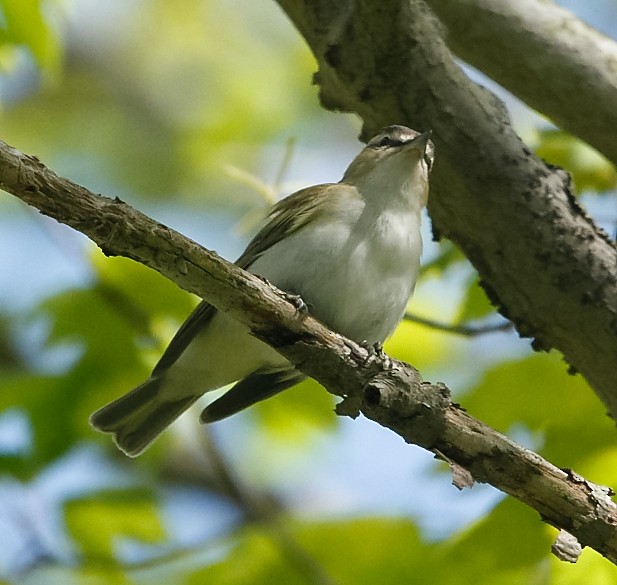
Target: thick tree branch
(542,260)
(386,391)
(541,52)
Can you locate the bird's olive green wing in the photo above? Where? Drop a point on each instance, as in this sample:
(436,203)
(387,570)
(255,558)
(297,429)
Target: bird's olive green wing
(285,218)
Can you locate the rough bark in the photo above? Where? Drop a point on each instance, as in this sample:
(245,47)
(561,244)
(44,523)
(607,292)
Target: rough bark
(386,391)
(546,56)
(541,259)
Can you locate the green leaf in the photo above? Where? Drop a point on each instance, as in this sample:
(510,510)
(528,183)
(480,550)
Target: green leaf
(163,118)
(296,414)
(424,347)
(538,393)
(356,552)
(510,541)
(141,295)
(103,331)
(26,25)
(50,408)
(591,567)
(255,560)
(369,550)
(475,303)
(589,169)
(95,523)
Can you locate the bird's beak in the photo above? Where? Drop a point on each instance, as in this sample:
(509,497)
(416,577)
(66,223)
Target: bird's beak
(419,142)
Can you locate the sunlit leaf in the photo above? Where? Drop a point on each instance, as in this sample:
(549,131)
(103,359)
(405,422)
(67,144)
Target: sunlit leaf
(589,169)
(256,560)
(591,567)
(538,393)
(416,344)
(100,575)
(508,547)
(368,551)
(106,356)
(475,303)
(140,293)
(357,552)
(295,414)
(25,24)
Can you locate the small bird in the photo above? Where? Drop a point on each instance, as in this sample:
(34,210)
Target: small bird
(350,250)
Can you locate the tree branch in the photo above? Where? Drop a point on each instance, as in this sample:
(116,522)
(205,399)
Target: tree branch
(384,390)
(540,51)
(542,260)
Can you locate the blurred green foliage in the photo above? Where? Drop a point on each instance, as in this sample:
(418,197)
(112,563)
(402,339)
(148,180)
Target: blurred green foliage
(23,24)
(154,102)
(163,117)
(475,304)
(590,171)
(96,523)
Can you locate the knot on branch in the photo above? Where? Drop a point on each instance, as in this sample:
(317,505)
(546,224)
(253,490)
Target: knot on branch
(401,400)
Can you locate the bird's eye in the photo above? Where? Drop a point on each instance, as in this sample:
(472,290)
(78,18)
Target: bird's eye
(428,159)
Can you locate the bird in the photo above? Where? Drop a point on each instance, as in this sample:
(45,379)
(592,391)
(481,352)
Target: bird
(349,250)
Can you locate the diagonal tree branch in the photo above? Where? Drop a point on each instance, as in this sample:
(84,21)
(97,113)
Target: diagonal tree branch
(384,390)
(541,259)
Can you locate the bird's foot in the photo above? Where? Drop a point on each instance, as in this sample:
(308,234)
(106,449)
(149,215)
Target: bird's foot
(298,302)
(295,299)
(373,348)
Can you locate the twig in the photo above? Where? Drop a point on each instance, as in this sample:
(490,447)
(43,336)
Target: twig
(462,329)
(290,147)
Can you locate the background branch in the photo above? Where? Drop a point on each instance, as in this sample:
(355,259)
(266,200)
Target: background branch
(540,51)
(382,389)
(459,329)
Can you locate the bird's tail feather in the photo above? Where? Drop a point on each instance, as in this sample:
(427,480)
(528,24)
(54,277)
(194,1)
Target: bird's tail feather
(139,417)
(254,388)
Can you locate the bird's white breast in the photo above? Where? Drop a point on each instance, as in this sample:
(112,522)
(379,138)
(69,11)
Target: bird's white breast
(354,267)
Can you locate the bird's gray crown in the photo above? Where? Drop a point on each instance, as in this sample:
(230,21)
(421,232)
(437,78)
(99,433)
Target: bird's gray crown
(392,136)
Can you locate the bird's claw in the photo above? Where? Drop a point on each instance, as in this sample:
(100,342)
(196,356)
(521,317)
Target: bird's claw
(373,348)
(298,302)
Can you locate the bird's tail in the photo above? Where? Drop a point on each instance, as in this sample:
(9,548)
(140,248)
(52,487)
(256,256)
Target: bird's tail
(139,417)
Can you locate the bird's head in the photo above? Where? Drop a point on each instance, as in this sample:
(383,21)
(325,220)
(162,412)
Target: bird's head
(397,161)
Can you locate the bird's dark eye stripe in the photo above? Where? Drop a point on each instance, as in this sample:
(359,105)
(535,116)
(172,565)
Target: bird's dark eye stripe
(389,141)
(428,160)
